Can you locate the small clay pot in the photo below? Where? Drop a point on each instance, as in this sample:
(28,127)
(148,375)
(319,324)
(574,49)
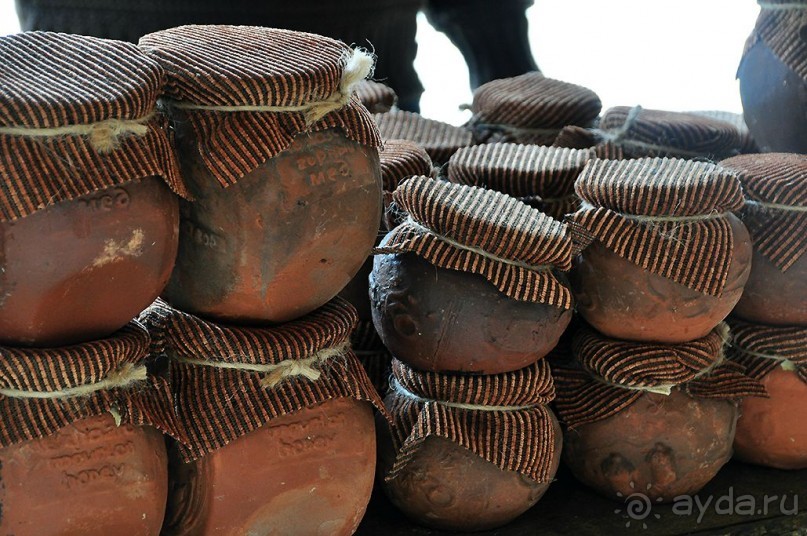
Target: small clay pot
(660,446)
(283,240)
(624,301)
(80,270)
(450,321)
(91,478)
(774,101)
(446,486)
(771,431)
(772,296)
(309,472)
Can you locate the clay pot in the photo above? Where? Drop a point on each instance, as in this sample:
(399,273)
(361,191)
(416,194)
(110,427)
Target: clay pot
(81,269)
(283,240)
(771,430)
(89,478)
(309,472)
(447,486)
(624,301)
(772,296)
(450,321)
(660,446)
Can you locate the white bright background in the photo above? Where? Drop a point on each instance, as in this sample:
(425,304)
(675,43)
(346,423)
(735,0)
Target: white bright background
(673,55)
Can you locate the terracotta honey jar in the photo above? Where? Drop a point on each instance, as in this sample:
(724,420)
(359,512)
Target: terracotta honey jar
(530,108)
(472,281)
(88,225)
(440,140)
(771,429)
(277,425)
(775,212)
(282,161)
(468,452)
(375,96)
(662,258)
(542,177)
(773,77)
(657,419)
(80,448)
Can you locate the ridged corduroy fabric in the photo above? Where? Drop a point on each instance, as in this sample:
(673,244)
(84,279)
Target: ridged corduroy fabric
(530,108)
(375,96)
(440,140)
(510,244)
(747,143)
(780,179)
(613,374)
(521,439)
(51,80)
(542,177)
(779,25)
(217,405)
(253,66)
(760,348)
(400,159)
(146,402)
(696,254)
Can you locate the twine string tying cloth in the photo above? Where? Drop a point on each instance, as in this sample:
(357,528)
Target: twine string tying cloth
(769,6)
(121,378)
(396,386)
(775,206)
(784,362)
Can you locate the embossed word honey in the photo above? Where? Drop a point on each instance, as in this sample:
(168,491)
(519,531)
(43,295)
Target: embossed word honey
(88,226)
(775,212)
(282,162)
(439,139)
(468,452)
(663,258)
(277,425)
(649,418)
(771,429)
(472,281)
(79,450)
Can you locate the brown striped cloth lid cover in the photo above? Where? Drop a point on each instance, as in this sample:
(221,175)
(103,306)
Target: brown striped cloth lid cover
(375,96)
(636,132)
(77,115)
(666,215)
(530,108)
(220,74)
(761,348)
(483,232)
(775,211)
(400,159)
(542,177)
(779,25)
(440,140)
(513,429)
(747,143)
(610,374)
(45,389)
(219,394)
(372,354)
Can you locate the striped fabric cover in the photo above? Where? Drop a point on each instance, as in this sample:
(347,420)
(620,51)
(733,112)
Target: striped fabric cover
(491,222)
(780,29)
(400,159)
(246,65)
(53,80)
(439,139)
(521,440)
(53,369)
(216,405)
(696,254)
(663,133)
(779,178)
(542,177)
(531,101)
(747,143)
(600,385)
(788,342)
(376,97)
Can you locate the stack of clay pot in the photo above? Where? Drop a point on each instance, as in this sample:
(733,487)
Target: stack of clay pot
(769,323)
(282,164)
(468,295)
(88,238)
(649,403)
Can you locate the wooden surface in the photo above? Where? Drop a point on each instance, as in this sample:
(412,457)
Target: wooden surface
(569,508)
